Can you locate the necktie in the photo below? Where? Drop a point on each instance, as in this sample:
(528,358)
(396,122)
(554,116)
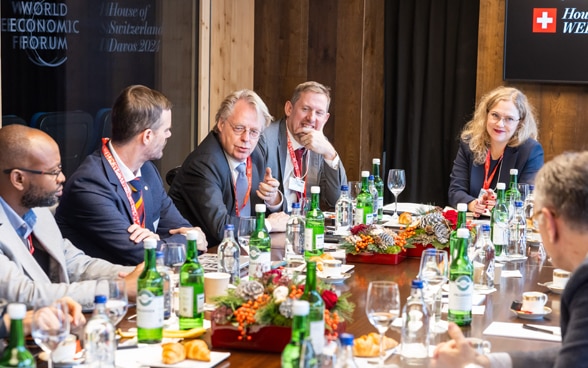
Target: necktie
(137,194)
(242,185)
(299,158)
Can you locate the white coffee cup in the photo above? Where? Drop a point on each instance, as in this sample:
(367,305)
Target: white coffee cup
(215,284)
(534,302)
(332,268)
(481,346)
(560,278)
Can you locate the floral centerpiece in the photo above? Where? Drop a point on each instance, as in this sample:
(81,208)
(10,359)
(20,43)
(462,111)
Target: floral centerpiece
(372,239)
(268,302)
(434,227)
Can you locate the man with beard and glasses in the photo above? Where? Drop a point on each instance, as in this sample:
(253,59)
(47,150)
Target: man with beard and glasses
(37,265)
(116,198)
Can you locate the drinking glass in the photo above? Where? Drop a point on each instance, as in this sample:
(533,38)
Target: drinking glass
(50,326)
(174,256)
(354,189)
(396,184)
(117,302)
(435,271)
(382,308)
(524,190)
(246,227)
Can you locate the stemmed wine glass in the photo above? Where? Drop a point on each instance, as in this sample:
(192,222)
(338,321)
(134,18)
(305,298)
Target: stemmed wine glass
(246,227)
(174,256)
(50,326)
(396,184)
(435,271)
(117,302)
(382,308)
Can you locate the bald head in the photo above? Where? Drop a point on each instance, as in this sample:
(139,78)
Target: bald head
(20,145)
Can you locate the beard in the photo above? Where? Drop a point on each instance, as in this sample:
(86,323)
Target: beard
(35,197)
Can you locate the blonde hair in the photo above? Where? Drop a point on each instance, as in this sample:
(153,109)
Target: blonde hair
(311,86)
(228,106)
(475,134)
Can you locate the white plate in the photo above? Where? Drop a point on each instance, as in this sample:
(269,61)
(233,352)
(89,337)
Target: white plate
(553,288)
(414,208)
(334,280)
(524,315)
(151,356)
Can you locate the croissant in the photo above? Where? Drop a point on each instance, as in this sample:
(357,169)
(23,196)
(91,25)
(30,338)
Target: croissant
(172,353)
(405,218)
(197,350)
(369,345)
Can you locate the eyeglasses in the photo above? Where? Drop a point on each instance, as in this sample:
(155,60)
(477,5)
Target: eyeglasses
(55,172)
(496,117)
(240,129)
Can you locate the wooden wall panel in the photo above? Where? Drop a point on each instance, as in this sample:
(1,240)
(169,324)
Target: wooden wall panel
(561,108)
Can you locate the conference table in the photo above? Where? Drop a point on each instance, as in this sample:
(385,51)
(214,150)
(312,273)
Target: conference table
(497,305)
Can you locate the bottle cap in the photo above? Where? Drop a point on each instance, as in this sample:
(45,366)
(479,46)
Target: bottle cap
(462,207)
(514,172)
(300,307)
(346,339)
(365,174)
(17,310)
(485,227)
(462,233)
(344,188)
(230,227)
(260,207)
(159,254)
(192,235)
(531,186)
(371,177)
(417,284)
(375,161)
(149,243)
(100,299)
(518,204)
(315,190)
(295,205)
(500,186)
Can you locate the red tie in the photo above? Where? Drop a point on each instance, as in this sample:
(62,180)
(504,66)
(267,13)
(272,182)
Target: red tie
(137,194)
(30,241)
(299,157)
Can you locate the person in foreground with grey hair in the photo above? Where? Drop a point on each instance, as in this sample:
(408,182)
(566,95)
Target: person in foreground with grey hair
(561,213)
(207,187)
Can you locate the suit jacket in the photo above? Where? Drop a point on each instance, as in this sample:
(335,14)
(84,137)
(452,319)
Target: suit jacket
(574,329)
(275,137)
(467,178)
(71,272)
(203,188)
(94,212)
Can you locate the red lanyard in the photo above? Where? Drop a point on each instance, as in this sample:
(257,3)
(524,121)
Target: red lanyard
(123,182)
(488,179)
(296,168)
(248,173)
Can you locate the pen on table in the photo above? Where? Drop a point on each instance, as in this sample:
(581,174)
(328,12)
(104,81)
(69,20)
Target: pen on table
(539,329)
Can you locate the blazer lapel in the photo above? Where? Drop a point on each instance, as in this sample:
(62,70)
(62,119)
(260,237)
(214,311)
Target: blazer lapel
(511,154)
(113,179)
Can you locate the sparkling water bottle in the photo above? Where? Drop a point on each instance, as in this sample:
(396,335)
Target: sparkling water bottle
(295,234)
(16,353)
(379,183)
(499,222)
(415,327)
(483,260)
(229,254)
(99,337)
(345,359)
(374,191)
(167,284)
(517,232)
(344,210)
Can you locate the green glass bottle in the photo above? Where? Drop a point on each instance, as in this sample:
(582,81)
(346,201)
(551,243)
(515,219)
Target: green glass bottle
(16,353)
(461,283)
(513,194)
(364,202)
(499,222)
(259,246)
(150,298)
(299,352)
(379,184)
(462,209)
(191,286)
(314,229)
(316,316)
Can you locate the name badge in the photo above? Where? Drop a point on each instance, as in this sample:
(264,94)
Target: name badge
(296,184)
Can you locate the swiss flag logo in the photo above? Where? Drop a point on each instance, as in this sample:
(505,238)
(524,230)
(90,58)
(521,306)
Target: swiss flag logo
(544,20)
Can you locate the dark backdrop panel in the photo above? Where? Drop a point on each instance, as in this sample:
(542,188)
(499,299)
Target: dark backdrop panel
(430,72)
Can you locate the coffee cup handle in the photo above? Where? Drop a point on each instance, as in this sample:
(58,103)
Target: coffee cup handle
(544,299)
(486,347)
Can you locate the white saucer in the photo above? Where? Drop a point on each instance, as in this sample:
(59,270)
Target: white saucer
(335,280)
(553,288)
(525,315)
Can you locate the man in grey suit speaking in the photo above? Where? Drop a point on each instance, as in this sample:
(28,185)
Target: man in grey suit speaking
(299,154)
(37,265)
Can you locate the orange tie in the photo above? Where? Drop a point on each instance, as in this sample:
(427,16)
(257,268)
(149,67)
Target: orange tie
(137,194)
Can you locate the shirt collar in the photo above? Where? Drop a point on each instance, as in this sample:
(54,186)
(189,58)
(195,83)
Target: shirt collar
(295,144)
(126,172)
(232,162)
(22,225)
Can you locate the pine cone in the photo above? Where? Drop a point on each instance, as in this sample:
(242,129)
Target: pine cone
(442,232)
(250,290)
(286,308)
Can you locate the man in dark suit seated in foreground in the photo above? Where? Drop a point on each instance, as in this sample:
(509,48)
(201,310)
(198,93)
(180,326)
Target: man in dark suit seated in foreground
(116,198)
(561,212)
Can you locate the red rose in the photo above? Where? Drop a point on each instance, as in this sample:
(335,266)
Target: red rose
(358,228)
(330,299)
(451,216)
